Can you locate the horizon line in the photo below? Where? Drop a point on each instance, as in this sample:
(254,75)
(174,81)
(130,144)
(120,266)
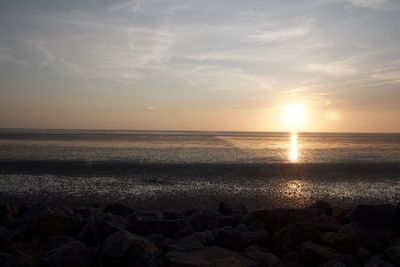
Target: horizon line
(177,130)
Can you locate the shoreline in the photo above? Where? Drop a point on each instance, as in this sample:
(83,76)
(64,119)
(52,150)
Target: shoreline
(114,234)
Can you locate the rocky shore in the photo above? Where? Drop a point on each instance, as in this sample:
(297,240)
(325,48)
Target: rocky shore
(115,235)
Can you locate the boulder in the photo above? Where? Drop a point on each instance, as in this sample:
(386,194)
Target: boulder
(169,215)
(315,254)
(127,249)
(276,219)
(203,222)
(208,256)
(232,209)
(392,255)
(71,254)
(262,257)
(230,238)
(379,216)
(99,226)
(333,263)
(49,224)
(289,238)
(225,209)
(118,209)
(166,227)
(323,206)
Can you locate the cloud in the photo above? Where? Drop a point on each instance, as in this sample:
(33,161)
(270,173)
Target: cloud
(281,35)
(334,69)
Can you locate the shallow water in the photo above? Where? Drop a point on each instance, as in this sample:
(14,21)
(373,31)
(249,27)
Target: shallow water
(172,170)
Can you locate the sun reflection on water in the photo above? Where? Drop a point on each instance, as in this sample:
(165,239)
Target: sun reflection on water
(294,150)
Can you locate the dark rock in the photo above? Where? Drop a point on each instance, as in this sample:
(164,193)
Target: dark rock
(314,254)
(230,238)
(190,212)
(172,215)
(378,262)
(129,249)
(208,256)
(57,241)
(323,206)
(206,238)
(289,238)
(225,209)
(261,256)
(256,225)
(99,227)
(34,210)
(276,219)
(292,259)
(204,222)
(379,216)
(86,212)
(227,220)
(166,227)
(392,255)
(259,238)
(333,263)
(185,231)
(118,209)
(72,254)
(49,224)
(5,257)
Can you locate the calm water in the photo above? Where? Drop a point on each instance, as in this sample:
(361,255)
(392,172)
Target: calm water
(186,169)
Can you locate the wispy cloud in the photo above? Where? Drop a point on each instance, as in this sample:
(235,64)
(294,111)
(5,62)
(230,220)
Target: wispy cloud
(280,35)
(335,69)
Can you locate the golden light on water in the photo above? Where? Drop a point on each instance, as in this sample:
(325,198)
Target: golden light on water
(294,150)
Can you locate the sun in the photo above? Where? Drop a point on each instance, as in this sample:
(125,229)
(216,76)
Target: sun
(293,116)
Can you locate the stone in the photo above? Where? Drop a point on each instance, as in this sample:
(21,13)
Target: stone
(262,257)
(315,254)
(118,209)
(333,263)
(230,238)
(49,224)
(99,226)
(57,241)
(225,209)
(71,254)
(166,227)
(208,256)
(378,216)
(169,215)
(276,219)
(259,238)
(203,222)
(289,238)
(392,255)
(129,249)
(323,206)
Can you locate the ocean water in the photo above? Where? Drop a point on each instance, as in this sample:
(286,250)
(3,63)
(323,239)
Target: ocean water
(179,170)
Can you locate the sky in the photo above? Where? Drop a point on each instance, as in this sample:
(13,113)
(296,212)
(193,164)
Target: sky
(200,64)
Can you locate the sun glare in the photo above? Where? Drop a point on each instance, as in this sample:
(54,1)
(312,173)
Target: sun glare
(294,116)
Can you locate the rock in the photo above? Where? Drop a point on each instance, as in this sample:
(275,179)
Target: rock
(292,259)
(99,227)
(118,209)
(129,249)
(166,227)
(333,263)
(314,254)
(276,219)
(161,241)
(72,254)
(262,257)
(378,262)
(171,215)
(49,224)
(379,216)
(256,225)
(323,206)
(225,209)
(289,238)
(206,238)
(34,210)
(227,220)
(392,255)
(259,238)
(230,238)
(203,222)
(208,256)
(57,241)
(349,238)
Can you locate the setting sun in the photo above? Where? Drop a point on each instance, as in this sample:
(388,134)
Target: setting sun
(294,116)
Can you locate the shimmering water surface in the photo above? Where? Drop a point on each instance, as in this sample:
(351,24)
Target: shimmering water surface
(198,169)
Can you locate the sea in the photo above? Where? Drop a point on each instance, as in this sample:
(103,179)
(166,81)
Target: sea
(178,170)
